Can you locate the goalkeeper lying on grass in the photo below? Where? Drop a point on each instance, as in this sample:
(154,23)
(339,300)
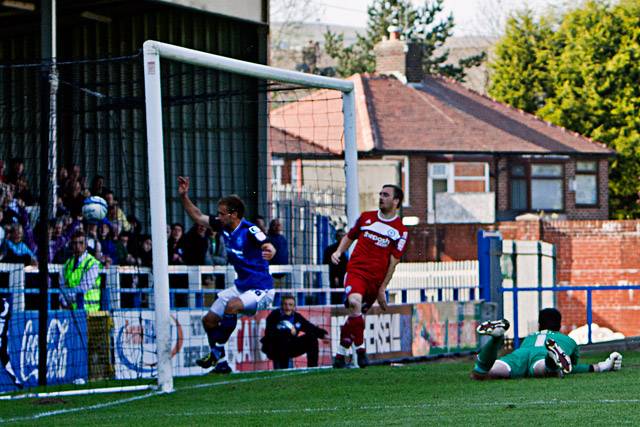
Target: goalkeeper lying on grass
(546,353)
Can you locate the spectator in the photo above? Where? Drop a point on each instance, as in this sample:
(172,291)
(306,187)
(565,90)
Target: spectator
(216,252)
(97,186)
(61,209)
(23,192)
(3,178)
(174,245)
(145,254)
(76,176)
(105,237)
(216,255)
(114,213)
(282,340)
(58,239)
(8,205)
(93,242)
(124,253)
(135,233)
(63,178)
(280,243)
(336,271)
(73,198)
(195,245)
(260,222)
(81,273)
(16,170)
(282,249)
(14,250)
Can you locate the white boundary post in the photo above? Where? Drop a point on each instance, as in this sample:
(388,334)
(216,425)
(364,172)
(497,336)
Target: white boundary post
(155,152)
(153,51)
(351,157)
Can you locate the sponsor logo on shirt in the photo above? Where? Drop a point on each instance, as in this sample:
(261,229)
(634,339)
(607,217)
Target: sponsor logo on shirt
(383,242)
(383,229)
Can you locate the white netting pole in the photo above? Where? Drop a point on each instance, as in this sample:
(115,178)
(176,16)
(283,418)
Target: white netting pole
(153,103)
(351,157)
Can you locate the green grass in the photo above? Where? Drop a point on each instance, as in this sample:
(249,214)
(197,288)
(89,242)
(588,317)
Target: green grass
(428,394)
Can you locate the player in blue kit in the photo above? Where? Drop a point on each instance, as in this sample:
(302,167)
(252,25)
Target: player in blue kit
(248,250)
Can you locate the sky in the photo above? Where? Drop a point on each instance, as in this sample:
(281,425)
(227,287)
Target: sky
(472,17)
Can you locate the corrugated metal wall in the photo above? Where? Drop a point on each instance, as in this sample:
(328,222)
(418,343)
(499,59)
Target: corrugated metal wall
(211,122)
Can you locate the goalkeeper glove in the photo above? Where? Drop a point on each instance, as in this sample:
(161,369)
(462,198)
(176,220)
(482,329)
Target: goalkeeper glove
(611,363)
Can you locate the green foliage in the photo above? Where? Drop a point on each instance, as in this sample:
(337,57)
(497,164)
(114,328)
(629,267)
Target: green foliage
(582,75)
(519,73)
(419,24)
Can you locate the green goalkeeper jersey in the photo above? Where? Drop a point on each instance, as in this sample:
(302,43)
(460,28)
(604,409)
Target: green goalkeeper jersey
(568,345)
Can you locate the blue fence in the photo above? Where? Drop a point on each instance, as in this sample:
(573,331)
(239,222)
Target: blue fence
(589,305)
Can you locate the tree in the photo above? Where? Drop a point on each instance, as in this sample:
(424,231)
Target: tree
(588,70)
(519,75)
(418,25)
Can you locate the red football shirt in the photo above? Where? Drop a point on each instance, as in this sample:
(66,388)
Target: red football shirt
(377,239)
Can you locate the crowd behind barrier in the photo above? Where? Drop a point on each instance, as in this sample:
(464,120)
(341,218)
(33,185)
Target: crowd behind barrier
(131,287)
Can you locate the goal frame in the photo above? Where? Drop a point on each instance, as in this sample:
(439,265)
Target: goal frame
(153,52)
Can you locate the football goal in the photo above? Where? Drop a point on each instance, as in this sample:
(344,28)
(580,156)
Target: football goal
(286,165)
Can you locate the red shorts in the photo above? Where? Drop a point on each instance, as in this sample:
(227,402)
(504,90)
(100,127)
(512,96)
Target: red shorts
(356,284)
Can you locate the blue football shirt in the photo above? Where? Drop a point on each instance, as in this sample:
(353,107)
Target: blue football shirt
(244,252)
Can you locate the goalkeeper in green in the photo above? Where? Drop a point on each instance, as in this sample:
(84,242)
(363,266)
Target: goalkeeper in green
(546,353)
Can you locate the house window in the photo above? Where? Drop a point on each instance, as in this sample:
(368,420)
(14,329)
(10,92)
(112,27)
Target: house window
(276,171)
(519,192)
(586,185)
(458,177)
(537,187)
(546,187)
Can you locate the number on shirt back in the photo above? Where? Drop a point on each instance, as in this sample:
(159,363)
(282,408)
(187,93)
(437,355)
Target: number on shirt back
(541,339)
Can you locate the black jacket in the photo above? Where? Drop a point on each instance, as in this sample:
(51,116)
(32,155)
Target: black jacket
(278,334)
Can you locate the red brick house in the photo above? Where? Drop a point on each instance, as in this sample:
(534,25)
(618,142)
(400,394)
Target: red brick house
(465,158)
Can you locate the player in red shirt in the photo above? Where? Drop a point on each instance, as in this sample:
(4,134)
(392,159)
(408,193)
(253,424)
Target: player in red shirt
(382,239)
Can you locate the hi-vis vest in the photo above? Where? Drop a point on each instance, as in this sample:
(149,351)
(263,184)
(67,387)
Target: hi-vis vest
(72,279)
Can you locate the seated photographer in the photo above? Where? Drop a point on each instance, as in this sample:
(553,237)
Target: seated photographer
(283,341)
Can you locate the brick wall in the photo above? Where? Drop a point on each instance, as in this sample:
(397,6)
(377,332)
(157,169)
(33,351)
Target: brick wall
(592,253)
(443,242)
(601,211)
(588,253)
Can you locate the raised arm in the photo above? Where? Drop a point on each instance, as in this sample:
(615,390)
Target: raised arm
(192,210)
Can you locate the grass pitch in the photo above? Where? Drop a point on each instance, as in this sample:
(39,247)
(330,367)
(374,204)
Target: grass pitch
(426,394)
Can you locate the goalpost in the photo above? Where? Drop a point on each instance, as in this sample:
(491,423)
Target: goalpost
(153,52)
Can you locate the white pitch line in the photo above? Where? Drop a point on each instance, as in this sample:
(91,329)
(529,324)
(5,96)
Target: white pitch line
(406,406)
(144,396)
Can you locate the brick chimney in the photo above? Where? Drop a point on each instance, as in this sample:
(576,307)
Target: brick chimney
(395,57)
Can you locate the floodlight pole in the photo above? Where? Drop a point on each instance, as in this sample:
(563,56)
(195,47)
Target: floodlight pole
(155,153)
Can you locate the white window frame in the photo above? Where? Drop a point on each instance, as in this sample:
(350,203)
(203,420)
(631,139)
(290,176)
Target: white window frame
(449,175)
(276,171)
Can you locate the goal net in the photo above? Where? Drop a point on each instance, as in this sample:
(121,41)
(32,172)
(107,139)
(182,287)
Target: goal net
(124,129)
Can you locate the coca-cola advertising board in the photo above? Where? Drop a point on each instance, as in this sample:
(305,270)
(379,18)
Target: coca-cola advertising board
(66,348)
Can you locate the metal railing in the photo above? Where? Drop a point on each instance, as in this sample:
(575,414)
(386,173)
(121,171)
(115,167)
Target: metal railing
(588,306)
(129,287)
